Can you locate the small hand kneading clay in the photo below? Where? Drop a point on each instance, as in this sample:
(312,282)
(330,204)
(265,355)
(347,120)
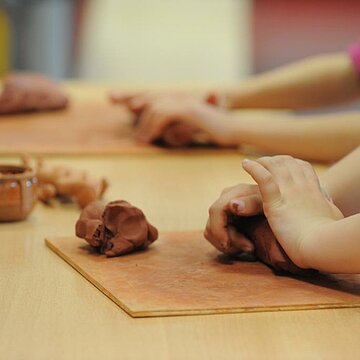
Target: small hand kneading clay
(181,134)
(23,92)
(267,248)
(117,228)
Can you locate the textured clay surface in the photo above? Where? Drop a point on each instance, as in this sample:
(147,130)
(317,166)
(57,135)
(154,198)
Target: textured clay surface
(267,248)
(117,228)
(24,92)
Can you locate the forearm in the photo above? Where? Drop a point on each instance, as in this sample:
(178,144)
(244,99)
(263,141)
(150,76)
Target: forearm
(318,138)
(342,182)
(334,247)
(314,82)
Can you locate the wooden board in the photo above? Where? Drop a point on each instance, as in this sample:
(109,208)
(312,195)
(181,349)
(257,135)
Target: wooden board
(86,127)
(181,274)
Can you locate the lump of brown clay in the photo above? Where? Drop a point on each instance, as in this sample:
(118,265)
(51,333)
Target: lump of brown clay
(181,134)
(117,228)
(23,92)
(267,248)
(178,135)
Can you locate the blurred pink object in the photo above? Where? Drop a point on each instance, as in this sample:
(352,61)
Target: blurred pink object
(354,52)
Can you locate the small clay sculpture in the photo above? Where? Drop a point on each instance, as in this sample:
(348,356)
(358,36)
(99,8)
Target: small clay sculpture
(267,248)
(24,92)
(117,228)
(66,182)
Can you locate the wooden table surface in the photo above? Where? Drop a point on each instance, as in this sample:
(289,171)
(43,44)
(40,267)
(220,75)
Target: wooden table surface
(49,311)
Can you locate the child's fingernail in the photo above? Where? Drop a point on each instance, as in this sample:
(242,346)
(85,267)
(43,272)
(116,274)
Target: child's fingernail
(238,205)
(245,161)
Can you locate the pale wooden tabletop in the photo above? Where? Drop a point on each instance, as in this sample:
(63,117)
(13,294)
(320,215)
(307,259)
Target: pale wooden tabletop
(49,311)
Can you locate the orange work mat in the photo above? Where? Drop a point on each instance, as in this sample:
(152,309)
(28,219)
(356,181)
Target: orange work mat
(182,274)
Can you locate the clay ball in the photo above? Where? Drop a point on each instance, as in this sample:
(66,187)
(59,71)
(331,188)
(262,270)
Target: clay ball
(266,247)
(116,228)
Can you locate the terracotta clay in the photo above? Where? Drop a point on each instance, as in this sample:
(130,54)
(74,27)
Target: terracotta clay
(18,193)
(117,228)
(267,248)
(23,92)
(178,135)
(66,182)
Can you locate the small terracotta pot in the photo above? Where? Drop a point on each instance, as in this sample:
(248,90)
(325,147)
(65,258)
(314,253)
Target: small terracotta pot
(18,192)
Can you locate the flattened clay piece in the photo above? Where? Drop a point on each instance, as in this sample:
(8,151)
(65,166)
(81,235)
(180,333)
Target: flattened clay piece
(23,92)
(267,248)
(117,228)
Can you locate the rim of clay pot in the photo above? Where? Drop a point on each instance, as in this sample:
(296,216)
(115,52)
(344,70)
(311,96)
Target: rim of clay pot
(15,172)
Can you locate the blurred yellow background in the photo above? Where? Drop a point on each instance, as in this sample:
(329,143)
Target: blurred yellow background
(168,40)
(4,43)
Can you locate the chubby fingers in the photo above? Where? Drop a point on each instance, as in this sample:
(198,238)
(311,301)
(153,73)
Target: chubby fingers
(138,103)
(239,200)
(223,235)
(249,205)
(135,102)
(120,97)
(239,243)
(269,188)
(283,175)
(216,228)
(152,123)
(220,239)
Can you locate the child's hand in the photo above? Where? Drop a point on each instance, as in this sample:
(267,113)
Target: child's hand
(136,102)
(293,201)
(240,200)
(197,118)
(208,122)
